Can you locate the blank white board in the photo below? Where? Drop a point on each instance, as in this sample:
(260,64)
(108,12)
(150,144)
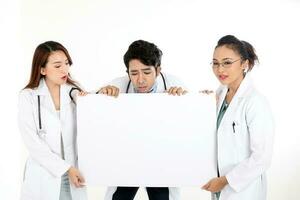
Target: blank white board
(147,139)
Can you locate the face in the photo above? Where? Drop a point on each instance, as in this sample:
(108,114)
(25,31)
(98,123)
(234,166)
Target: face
(142,76)
(57,68)
(228,66)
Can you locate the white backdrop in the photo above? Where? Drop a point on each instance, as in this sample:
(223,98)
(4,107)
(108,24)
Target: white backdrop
(98,32)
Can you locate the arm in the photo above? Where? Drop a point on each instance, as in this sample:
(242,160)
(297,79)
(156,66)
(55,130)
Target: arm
(175,86)
(109,90)
(38,149)
(261,131)
(114,87)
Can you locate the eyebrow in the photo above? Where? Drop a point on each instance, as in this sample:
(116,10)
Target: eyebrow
(224,59)
(58,62)
(145,69)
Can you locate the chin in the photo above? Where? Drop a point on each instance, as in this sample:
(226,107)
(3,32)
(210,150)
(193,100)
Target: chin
(61,82)
(143,91)
(224,82)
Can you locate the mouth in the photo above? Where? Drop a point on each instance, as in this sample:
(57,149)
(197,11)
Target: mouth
(222,77)
(142,89)
(64,77)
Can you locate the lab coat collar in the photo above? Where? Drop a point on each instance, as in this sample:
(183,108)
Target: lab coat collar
(243,90)
(43,90)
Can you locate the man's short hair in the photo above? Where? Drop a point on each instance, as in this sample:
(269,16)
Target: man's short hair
(147,53)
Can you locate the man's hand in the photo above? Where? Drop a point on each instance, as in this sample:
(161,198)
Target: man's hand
(176,91)
(109,90)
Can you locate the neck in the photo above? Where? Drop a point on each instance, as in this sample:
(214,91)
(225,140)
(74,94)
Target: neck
(53,88)
(234,86)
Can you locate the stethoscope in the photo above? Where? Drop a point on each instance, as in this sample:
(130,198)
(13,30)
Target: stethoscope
(41,131)
(163,78)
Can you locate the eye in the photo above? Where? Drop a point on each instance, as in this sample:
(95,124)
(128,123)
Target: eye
(215,64)
(57,66)
(133,74)
(147,72)
(227,63)
(67,63)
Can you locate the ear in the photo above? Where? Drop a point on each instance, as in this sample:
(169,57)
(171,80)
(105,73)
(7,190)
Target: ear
(43,71)
(246,65)
(158,69)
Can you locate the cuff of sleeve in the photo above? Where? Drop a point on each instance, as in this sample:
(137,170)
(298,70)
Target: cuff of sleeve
(232,182)
(61,170)
(95,91)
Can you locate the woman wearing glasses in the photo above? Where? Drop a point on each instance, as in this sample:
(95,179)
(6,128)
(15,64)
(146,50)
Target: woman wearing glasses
(244,125)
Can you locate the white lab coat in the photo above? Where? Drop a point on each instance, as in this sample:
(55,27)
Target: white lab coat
(45,166)
(121,83)
(245,150)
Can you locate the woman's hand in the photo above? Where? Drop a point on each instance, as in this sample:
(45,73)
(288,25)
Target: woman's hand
(206,91)
(82,93)
(215,184)
(109,90)
(176,91)
(75,177)
(209,92)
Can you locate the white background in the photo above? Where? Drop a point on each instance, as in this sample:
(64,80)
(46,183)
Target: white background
(97,34)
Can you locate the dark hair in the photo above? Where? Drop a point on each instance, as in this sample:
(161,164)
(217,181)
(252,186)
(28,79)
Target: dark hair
(243,48)
(40,59)
(146,52)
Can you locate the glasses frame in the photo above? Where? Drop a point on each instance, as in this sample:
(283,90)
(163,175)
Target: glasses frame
(223,65)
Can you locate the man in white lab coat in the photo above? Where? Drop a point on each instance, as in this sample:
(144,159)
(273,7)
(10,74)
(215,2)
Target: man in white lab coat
(143,60)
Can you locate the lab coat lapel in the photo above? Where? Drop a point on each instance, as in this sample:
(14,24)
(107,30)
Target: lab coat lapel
(244,87)
(160,83)
(221,98)
(45,96)
(65,100)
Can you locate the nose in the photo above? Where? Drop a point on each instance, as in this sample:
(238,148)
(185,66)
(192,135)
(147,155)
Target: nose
(220,69)
(140,78)
(65,69)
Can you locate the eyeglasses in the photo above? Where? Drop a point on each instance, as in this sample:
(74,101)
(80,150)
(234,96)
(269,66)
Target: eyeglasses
(225,64)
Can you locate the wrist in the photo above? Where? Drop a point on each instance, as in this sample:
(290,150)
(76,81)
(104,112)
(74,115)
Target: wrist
(70,169)
(224,180)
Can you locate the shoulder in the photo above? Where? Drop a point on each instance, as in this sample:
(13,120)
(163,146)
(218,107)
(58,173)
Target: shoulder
(258,111)
(256,97)
(26,97)
(257,105)
(26,93)
(122,79)
(120,82)
(173,81)
(170,77)
(70,88)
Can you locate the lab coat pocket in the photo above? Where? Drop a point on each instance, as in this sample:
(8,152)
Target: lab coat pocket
(241,140)
(24,170)
(32,181)
(236,127)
